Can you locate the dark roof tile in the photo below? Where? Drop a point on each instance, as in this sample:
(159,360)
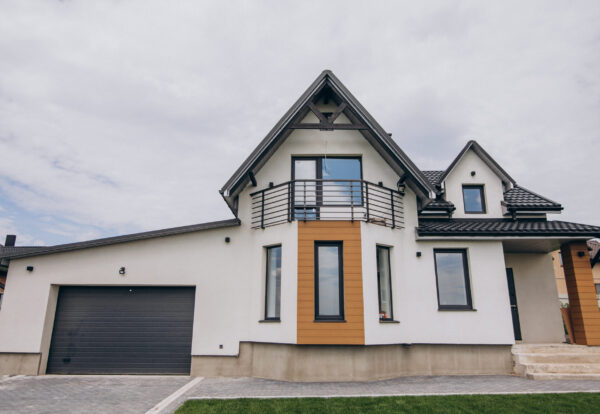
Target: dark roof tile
(504,227)
(518,198)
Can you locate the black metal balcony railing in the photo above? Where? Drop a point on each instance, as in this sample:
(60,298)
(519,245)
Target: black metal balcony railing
(310,200)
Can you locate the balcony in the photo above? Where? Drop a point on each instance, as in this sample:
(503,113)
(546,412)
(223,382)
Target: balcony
(312,200)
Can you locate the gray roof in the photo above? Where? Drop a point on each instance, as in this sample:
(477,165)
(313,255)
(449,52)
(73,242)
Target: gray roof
(434,176)
(519,198)
(37,251)
(505,227)
(382,140)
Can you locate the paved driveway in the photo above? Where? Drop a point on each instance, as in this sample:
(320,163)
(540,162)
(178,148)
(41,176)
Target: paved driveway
(86,394)
(138,394)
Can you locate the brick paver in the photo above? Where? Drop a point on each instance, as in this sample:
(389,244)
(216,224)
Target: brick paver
(86,394)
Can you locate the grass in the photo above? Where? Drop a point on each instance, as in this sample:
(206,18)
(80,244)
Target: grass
(571,403)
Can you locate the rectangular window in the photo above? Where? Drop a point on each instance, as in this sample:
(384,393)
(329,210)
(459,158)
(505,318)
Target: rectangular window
(325,181)
(384,283)
(452,275)
(598,293)
(329,281)
(273,283)
(474,199)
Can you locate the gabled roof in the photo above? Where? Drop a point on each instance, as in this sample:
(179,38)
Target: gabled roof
(485,157)
(373,132)
(519,198)
(505,228)
(18,252)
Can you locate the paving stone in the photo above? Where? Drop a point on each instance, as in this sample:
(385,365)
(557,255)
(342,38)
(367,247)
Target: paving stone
(85,394)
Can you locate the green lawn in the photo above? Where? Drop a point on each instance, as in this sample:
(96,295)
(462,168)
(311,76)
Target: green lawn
(464,404)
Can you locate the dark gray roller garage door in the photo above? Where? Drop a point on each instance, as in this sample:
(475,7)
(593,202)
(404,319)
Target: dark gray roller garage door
(122,330)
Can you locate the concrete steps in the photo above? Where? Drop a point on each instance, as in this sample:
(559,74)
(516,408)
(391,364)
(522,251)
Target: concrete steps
(557,361)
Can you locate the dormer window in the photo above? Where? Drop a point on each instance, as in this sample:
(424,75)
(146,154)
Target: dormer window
(474,199)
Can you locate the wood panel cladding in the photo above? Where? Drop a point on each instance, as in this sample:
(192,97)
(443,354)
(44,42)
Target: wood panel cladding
(585,315)
(352,330)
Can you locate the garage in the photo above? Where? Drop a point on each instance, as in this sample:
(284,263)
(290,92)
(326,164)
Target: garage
(122,330)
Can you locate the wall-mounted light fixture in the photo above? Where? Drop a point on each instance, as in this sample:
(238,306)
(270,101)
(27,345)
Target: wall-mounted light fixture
(580,254)
(122,271)
(418,254)
(271,184)
(401,185)
(472,173)
(227,239)
(29,268)
(380,183)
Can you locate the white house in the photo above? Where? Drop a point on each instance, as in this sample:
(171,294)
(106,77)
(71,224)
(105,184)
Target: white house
(344,261)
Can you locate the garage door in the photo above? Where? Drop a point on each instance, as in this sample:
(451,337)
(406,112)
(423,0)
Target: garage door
(122,330)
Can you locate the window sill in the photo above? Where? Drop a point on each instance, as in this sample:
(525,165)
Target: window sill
(388,321)
(329,321)
(270,321)
(457,310)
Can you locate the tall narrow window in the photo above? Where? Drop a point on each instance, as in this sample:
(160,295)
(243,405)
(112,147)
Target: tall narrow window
(474,199)
(384,282)
(598,293)
(273,283)
(329,281)
(452,274)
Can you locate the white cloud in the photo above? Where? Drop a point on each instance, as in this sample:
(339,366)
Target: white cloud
(130,115)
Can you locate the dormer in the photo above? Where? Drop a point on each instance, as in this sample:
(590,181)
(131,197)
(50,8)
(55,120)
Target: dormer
(476,186)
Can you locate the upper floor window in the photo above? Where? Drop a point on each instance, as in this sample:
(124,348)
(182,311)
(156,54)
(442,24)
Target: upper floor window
(452,275)
(273,283)
(325,181)
(329,281)
(474,198)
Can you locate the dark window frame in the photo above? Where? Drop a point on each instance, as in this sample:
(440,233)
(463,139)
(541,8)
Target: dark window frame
(268,318)
(319,176)
(389,250)
(481,189)
(341,315)
(467,278)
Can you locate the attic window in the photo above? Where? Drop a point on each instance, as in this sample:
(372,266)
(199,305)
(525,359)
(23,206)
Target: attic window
(474,199)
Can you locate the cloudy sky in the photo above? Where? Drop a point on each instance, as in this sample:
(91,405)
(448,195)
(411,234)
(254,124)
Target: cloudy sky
(125,116)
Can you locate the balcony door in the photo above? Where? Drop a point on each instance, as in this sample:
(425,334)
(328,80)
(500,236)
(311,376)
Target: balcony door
(325,182)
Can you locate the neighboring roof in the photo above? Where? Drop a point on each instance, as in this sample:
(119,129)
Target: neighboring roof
(504,227)
(485,157)
(594,245)
(434,176)
(519,198)
(18,252)
(273,139)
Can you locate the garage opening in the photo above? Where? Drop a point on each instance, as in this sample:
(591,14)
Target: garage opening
(122,330)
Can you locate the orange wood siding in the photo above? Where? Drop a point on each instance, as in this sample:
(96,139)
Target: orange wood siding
(351,332)
(585,315)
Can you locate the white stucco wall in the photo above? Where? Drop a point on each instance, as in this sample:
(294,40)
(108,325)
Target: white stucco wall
(537,297)
(461,174)
(229,278)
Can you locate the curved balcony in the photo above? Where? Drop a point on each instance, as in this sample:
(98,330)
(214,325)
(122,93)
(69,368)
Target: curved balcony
(340,200)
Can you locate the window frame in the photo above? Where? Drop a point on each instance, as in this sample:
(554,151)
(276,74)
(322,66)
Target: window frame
(319,176)
(389,250)
(267,248)
(341,316)
(481,188)
(466,275)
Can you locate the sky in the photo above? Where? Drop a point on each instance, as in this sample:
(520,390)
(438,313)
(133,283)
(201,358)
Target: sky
(125,116)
